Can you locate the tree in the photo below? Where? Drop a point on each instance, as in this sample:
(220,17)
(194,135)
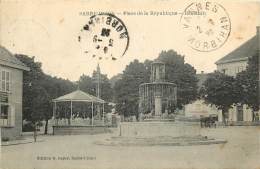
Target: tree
(247,84)
(177,71)
(53,87)
(86,84)
(41,105)
(182,74)
(38,91)
(106,91)
(31,80)
(220,90)
(114,79)
(126,89)
(89,85)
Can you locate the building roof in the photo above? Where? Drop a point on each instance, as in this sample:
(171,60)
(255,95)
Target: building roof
(78,95)
(8,59)
(244,51)
(158,61)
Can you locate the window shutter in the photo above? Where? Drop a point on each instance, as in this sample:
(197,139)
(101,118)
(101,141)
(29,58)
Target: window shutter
(3,81)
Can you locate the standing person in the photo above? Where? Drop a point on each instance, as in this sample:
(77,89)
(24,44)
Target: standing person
(35,132)
(257,117)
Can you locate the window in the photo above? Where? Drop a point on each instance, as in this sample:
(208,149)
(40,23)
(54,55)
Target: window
(4,115)
(7,115)
(239,113)
(3,111)
(240,69)
(5,84)
(224,71)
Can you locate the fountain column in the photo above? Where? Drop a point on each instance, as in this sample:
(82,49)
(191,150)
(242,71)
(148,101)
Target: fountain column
(158,105)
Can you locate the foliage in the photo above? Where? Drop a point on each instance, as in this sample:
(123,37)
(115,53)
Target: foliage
(219,90)
(136,73)
(114,79)
(126,89)
(31,79)
(88,85)
(106,91)
(182,74)
(38,91)
(247,84)
(224,91)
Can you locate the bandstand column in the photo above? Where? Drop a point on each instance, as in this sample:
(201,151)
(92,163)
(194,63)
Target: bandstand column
(92,114)
(70,112)
(103,114)
(55,113)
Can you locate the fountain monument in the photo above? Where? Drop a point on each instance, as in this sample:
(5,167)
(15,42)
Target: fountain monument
(158,123)
(157,102)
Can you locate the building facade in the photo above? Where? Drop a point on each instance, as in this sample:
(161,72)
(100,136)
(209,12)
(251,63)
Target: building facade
(236,62)
(199,108)
(11,93)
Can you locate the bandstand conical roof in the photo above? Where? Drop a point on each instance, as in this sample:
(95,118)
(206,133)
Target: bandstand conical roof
(78,95)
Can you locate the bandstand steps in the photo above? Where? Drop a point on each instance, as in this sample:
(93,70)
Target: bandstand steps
(78,130)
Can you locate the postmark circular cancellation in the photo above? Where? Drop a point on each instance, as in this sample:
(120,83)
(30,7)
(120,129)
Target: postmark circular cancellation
(206,25)
(104,36)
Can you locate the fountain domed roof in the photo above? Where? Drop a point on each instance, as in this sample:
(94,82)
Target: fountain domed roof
(158,61)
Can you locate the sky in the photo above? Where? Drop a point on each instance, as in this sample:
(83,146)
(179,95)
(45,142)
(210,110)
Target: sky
(49,31)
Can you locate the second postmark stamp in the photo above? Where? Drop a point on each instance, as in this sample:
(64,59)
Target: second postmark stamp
(206,25)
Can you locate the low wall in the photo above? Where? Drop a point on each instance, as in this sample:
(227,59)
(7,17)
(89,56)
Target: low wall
(77,130)
(240,123)
(155,129)
(10,133)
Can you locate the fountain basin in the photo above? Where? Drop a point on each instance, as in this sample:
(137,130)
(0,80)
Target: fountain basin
(159,128)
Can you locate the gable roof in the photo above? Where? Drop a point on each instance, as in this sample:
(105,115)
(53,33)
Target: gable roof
(79,95)
(8,59)
(244,51)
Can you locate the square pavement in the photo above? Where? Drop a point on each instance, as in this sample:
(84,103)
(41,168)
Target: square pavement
(79,151)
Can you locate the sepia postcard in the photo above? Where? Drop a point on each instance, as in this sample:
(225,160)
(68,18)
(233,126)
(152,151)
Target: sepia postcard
(109,84)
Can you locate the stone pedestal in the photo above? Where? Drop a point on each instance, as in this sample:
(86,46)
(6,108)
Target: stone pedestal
(220,118)
(79,130)
(158,105)
(247,114)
